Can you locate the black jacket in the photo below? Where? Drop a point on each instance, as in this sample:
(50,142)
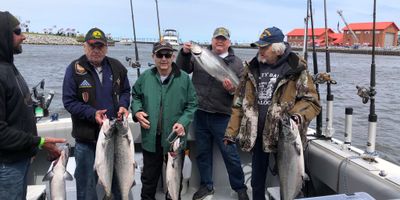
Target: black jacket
(18,133)
(81,100)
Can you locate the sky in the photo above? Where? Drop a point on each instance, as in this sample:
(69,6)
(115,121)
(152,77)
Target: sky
(195,20)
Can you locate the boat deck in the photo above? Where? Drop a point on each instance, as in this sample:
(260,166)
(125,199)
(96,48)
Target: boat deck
(221,192)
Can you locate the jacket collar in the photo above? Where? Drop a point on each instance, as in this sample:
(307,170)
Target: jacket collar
(290,58)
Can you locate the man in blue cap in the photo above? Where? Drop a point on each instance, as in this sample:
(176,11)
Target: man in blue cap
(275,77)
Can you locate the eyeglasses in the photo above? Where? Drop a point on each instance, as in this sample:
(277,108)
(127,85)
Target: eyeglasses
(17,31)
(96,46)
(161,55)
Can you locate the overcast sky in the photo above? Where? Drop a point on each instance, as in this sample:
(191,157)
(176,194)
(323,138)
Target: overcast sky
(194,19)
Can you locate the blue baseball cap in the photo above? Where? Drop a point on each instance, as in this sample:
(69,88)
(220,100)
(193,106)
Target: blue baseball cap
(269,36)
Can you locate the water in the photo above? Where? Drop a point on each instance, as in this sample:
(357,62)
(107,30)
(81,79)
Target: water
(49,63)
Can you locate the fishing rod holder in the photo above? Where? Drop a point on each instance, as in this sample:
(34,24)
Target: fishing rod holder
(41,103)
(133,64)
(365,93)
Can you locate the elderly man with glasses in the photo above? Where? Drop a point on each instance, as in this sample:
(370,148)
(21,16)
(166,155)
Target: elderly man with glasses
(163,101)
(95,87)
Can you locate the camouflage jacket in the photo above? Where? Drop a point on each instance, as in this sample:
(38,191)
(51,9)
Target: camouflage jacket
(295,94)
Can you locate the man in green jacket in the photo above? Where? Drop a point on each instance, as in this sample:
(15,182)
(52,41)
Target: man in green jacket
(163,100)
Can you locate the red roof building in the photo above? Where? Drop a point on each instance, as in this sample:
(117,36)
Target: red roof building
(296,36)
(386,34)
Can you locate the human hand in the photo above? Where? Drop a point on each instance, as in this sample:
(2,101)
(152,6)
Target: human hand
(179,129)
(142,118)
(100,116)
(186,48)
(228,140)
(122,112)
(228,85)
(50,146)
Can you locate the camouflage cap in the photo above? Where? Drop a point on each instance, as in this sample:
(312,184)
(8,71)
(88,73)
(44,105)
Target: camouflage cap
(221,31)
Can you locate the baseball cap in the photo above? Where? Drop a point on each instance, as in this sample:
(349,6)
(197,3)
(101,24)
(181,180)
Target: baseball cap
(269,36)
(95,36)
(221,31)
(162,45)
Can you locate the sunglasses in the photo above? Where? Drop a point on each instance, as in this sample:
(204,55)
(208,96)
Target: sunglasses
(17,31)
(97,46)
(161,55)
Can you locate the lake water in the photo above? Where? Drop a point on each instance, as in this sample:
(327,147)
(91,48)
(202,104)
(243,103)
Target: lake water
(39,62)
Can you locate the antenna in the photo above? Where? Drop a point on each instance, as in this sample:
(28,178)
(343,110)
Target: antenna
(158,21)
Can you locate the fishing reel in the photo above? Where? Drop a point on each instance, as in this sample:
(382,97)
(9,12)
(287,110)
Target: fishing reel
(41,103)
(133,64)
(364,93)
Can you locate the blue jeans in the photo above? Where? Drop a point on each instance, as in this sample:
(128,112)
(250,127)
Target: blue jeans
(13,179)
(259,165)
(85,176)
(209,128)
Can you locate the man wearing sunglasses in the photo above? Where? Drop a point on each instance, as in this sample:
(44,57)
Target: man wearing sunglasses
(163,101)
(95,87)
(19,140)
(211,119)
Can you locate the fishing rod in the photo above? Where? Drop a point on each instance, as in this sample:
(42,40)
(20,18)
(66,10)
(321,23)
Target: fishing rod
(158,21)
(370,94)
(135,64)
(305,41)
(329,130)
(315,64)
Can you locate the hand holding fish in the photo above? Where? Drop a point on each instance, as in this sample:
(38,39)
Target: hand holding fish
(121,113)
(228,85)
(142,118)
(178,128)
(100,116)
(186,47)
(50,146)
(228,140)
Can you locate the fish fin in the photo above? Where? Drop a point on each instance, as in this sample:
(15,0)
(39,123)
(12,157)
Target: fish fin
(48,176)
(298,148)
(305,177)
(68,176)
(133,184)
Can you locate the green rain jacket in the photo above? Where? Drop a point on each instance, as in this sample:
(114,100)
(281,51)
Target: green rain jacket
(177,99)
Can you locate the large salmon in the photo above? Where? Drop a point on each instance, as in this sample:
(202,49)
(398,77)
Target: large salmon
(213,65)
(104,159)
(58,175)
(124,162)
(174,169)
(290,159)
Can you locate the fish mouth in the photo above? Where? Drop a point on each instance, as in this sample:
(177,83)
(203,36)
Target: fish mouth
(196,49)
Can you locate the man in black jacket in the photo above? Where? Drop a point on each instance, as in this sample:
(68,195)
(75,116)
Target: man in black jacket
(19,141)
(212,116)
(95,87)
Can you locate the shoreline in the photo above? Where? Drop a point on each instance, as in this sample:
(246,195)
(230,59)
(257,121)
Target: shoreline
(44,39)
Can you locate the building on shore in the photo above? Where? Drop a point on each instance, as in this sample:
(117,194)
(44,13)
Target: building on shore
(296,36)
(386,34)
